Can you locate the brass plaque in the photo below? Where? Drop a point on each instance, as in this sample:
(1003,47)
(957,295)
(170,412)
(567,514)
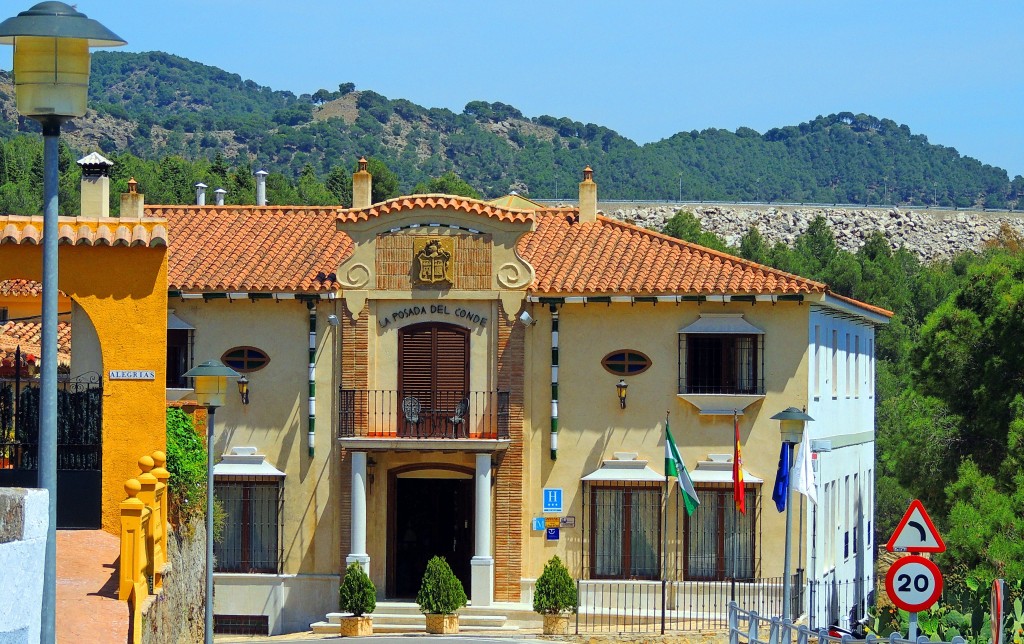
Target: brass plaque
(551,522)
(435,260)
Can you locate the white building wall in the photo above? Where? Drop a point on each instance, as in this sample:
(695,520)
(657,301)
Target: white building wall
(23,523)
(839,542)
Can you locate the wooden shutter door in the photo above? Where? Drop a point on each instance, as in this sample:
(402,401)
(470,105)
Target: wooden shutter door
(433,360)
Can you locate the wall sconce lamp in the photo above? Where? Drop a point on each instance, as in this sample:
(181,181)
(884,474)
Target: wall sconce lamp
(243,389)
(620,390)
(371,465)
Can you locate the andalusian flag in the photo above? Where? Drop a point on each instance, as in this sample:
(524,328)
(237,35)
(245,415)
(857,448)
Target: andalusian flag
(738,495)
(674,467)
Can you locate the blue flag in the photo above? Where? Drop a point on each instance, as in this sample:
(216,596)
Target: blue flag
(781,492)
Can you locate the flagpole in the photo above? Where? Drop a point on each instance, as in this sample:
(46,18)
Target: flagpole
(664,539)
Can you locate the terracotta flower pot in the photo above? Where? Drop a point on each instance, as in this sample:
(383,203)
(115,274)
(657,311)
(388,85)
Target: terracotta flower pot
(442,624)
(356,626)
(557,624)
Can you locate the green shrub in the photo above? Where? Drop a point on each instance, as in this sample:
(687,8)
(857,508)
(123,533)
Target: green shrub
(186,463)
(555,591)
(441,591)
(357,594)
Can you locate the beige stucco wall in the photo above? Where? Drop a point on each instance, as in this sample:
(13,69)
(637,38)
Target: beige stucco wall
(275,420)
(593,427)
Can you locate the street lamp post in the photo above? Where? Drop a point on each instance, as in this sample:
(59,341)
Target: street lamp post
(211,387)
(791,425)
(51,82)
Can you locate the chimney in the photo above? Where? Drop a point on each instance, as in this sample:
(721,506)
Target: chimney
(219,196)
(362,186)
(201,194)
(132,201)
(95,185)
(261,187)
(588,197)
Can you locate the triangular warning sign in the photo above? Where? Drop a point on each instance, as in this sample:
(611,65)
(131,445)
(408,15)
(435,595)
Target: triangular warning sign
(916,532)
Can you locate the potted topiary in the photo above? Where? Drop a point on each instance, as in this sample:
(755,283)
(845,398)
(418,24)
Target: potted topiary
(555,597)
(358,596)
(440,595)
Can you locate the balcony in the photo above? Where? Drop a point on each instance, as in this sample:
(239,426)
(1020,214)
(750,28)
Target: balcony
(423,414)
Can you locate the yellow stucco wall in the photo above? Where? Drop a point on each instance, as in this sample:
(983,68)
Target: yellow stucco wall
(274,421)
(593,427)
(124,293)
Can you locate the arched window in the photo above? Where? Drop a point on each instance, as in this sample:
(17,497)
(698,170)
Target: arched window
(245,359)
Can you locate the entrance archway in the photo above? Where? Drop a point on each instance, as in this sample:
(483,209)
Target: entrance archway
(430,513)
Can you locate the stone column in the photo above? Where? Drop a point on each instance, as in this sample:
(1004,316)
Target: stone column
(358,523)
(482,582)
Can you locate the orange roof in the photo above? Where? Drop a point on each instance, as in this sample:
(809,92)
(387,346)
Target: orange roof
(87,231)
(19,288)
(609,256)
(253,248)
(26,335)
(436,202)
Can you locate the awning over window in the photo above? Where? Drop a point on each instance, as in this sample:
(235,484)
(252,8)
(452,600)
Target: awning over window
(624,468)
(721,323)
(718,469)
(174,323)
(244,461)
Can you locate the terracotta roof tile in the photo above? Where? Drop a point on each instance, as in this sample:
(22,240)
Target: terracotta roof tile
(26,335)
(21,288)
(86,231)
(253,248)
(437,202)
(609,256)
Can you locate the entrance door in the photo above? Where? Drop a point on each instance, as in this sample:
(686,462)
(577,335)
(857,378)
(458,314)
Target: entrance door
(433,364)
(431,517)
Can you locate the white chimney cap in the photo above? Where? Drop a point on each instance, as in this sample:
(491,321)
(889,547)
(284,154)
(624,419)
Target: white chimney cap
(261,173)
(220,191)
(202,185)
(95,158)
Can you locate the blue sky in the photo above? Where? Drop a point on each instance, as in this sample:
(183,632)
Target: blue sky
(951,70)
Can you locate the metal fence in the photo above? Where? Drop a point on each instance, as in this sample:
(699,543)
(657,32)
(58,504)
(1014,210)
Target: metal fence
(839,602)
(659,606)
(748,627)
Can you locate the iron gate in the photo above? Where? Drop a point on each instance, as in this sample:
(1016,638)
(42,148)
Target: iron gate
(79,443)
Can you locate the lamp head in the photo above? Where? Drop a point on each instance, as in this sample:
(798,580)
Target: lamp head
(791,424)
(243,389)
(51,58)
(211,382)
(620,391)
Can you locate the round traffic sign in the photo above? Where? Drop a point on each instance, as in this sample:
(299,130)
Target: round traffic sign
(913,583)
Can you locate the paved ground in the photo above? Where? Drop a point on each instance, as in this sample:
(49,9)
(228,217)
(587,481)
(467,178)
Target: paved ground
(87,606)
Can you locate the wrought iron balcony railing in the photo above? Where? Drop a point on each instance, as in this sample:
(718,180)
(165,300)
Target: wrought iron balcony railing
(383,413)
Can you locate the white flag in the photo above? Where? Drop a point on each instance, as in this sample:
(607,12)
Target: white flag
(801,477)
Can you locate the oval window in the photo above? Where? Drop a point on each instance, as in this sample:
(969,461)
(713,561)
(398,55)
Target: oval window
(245,359)
(626,362)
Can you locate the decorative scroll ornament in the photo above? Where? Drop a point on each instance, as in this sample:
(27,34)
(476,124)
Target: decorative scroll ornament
(435,260)
(356,276)
(513,275)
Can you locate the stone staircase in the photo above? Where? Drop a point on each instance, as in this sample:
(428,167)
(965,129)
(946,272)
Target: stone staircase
(405,617)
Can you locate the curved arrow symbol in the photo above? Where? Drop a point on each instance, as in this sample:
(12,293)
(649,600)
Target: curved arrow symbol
(919,527)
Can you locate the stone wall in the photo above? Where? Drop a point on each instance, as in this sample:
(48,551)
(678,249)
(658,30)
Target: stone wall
(930,234)
(23,523)
(176,615)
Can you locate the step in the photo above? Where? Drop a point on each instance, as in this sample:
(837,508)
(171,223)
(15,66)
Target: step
(419,619)
(331,628)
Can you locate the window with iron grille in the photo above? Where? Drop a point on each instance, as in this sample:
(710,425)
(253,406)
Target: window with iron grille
(721,543)
(179,357)
(625,532)
(720,364)
(252,527)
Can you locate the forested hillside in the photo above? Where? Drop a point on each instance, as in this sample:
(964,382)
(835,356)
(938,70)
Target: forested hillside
(153,105)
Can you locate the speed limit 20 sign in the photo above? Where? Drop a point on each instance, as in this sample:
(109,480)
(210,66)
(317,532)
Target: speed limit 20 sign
(913,583)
